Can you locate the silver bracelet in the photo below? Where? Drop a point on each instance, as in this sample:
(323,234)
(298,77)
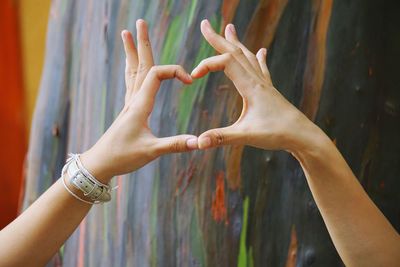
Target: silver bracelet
(83,180)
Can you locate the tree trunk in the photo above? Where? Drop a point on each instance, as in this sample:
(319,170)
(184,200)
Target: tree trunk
(234,206)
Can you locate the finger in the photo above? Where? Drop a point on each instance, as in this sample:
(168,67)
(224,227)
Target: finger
(222,45)
(220,136)
(215,40)
(175,144)
(152,82)
(144,52)
(262,61)
(130,64)
(228,64)
(130,49)
(231,36)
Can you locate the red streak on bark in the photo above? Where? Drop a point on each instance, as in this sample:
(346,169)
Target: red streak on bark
(228,11)
(218,207)
(185,176)
(292,251)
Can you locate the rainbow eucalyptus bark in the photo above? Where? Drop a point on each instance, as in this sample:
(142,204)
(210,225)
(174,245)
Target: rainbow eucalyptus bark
(233,206)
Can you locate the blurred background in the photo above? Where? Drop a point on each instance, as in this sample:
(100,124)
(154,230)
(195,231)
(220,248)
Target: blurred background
(23,26)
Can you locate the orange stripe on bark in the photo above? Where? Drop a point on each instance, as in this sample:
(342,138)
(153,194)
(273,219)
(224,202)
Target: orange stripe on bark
(315,65)
(228,11)
(260,33)
(262,28)
(218,207)
(292,251)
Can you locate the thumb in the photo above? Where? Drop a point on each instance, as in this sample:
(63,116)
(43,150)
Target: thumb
(177,143)
(219,137)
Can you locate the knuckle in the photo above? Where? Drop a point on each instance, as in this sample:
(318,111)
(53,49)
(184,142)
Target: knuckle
(237,51)
(229,58)
(252,56)
(153,69)
(219,138)
(175,146)
(143,68)
(146,42)
(178,70)
(131,73)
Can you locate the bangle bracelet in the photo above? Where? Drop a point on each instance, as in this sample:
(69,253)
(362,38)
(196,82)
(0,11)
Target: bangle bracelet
(73,194)
(81,178)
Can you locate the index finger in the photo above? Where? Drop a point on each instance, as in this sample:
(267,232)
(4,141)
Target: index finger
(215,40)
(152,82)
(224,46)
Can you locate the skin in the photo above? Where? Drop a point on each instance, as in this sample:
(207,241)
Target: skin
(360,232)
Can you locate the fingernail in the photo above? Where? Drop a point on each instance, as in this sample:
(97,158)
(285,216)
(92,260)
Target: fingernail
(232,28)
(193,72)
(205,142)
(192,143)
(206,22)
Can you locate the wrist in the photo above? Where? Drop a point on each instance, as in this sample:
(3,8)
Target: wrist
(95,166)
(306,138)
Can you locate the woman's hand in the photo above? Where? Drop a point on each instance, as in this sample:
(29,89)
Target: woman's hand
(267,120)
(129,143)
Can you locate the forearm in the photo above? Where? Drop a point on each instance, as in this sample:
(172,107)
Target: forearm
(36,235)
(360,232)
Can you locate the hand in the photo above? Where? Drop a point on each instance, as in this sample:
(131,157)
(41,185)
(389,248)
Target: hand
(267,120)
(129,143)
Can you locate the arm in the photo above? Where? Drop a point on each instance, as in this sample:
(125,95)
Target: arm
(35,236)
(360,232)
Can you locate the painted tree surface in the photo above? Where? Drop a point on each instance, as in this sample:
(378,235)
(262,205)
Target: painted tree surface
(233,206)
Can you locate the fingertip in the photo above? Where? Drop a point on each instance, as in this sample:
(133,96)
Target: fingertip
(261,54)
(192,143)
(194,73)
(205,26)
(124,34)
(204,22)
(140,22)
(231,28)
(188,79)
(182,75)
(141,27)
(199,72)
(204,142)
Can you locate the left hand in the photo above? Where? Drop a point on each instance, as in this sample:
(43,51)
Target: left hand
(268,120)
(129,143)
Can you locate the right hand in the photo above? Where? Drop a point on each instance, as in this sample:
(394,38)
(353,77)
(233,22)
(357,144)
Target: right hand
(267,120)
